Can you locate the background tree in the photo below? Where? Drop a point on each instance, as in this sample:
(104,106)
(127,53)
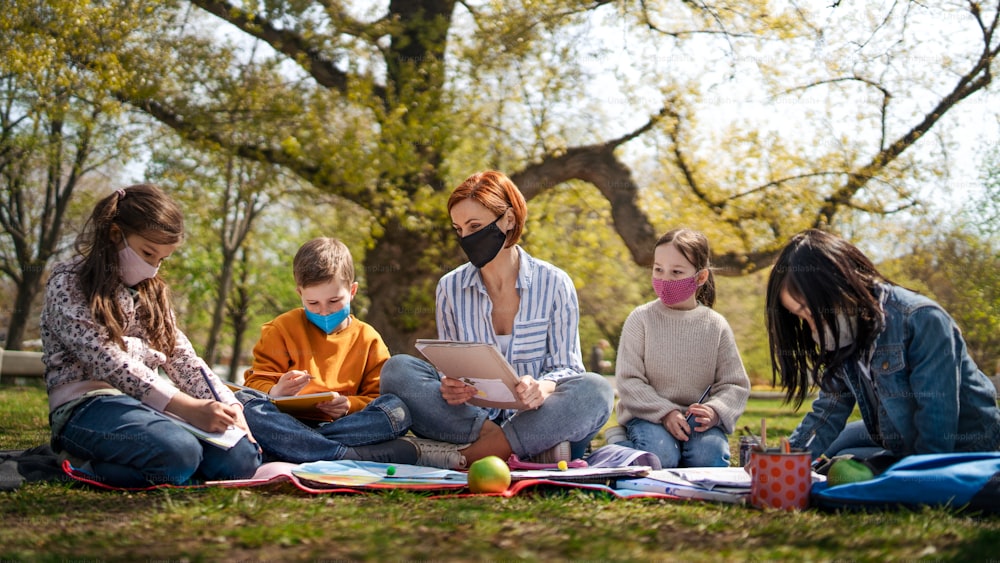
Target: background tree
(57,126)
(390,107)
(234,192)
(244,223)
(748,121)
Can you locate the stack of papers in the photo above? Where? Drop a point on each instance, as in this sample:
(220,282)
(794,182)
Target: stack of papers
(720,484)
(581,474)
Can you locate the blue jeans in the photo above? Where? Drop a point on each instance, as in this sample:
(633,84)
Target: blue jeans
(129,445)
(574,412)
(285,438)
(703,449)
(854,440)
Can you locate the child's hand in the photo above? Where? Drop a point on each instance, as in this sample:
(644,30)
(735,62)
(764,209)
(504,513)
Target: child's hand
(290,383)
(207,414)
(705,416)
(677,425)
(336,407)
(241,422)
(455,392)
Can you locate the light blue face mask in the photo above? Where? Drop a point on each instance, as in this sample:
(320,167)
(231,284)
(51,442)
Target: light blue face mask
(329,323)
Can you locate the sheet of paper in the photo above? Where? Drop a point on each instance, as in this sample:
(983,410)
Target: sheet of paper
(580,473)
(491,389)
(224,440)
(710,477)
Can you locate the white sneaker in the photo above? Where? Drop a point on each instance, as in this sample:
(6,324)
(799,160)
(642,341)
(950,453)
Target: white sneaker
(555,454)
(431,453)
(615,434)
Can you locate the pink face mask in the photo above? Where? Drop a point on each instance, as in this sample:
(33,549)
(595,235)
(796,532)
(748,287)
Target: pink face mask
(133,268)
(672,292)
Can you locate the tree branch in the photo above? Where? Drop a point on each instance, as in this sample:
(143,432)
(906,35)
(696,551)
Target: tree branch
(976,79)
(293,45)
(598,165)
(188,129)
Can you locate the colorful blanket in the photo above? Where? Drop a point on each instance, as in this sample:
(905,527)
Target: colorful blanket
(354,477)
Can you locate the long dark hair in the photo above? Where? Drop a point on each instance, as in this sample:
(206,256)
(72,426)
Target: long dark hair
(828,275)
(147,211)
(693,245)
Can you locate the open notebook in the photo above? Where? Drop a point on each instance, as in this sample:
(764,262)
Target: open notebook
(479,365)
(301,406)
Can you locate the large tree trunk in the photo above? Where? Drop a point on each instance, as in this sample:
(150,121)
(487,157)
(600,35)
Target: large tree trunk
(27,290)
(225,281)
(402,272)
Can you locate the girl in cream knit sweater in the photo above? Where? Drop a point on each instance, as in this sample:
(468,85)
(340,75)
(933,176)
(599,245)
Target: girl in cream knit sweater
(680,378)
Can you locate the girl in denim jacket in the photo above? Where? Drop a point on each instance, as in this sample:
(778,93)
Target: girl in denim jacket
(833,320)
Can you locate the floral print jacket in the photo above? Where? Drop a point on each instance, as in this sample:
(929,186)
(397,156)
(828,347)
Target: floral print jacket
(80,357)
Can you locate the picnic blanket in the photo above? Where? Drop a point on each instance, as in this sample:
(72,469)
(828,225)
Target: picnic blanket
(358,477)
(969,481)
(28,466)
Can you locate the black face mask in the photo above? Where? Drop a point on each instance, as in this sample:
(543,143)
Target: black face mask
(483,245)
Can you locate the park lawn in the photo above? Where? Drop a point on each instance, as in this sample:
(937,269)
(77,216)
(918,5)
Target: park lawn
(57,522)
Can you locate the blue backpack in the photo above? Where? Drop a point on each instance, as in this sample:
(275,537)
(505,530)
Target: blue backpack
(957,480)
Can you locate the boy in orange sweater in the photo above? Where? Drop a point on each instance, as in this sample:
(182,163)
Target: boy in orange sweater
(322,347)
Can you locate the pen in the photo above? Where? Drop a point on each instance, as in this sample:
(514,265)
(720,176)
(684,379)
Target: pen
(208,382)
(277,374)
(819,461)
(812,437)
(690,417)
(264,372)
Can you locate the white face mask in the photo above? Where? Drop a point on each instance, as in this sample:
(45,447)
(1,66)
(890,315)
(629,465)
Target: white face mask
(847,327)
(133,268)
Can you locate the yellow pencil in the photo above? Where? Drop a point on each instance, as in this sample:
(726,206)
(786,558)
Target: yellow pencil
(277,374)
(265,372)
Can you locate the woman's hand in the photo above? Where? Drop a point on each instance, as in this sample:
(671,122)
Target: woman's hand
(533,392)
(454,392)
(290,383)
(206,414)
(336,407)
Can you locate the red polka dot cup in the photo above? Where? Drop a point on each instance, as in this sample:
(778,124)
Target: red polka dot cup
(780,480)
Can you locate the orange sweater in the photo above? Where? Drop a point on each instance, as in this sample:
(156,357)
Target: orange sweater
(348,361)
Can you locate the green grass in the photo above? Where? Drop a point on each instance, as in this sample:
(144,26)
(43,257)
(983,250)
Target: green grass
(57,522)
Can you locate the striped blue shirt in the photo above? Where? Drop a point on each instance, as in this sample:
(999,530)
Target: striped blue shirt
(546,338)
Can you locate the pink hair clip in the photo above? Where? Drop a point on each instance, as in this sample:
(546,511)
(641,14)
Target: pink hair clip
(121,193)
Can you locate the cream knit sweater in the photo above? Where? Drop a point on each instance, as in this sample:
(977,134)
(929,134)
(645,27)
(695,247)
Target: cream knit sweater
(666,359)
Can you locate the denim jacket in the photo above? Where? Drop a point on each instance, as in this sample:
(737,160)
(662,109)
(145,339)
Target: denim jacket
(928,395)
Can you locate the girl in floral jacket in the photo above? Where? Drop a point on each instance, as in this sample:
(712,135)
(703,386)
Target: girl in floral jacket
(107,329)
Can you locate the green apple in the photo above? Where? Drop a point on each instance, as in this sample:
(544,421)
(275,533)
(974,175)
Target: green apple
(847,471)
(489,475)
